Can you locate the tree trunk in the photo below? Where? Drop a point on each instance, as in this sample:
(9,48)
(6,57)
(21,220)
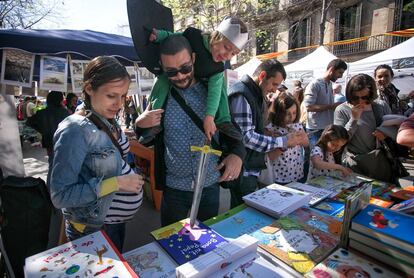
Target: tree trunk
(322,24)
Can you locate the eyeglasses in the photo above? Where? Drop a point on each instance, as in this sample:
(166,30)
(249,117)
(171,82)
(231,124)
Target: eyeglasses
(183,70)
(355,98)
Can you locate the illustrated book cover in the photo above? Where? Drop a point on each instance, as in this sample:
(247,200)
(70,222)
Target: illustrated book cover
(386,225)
(93,255)
(317,193)
(151,261)
(298,245)
(277,200)
(331,207)
(343,263)
(184,243)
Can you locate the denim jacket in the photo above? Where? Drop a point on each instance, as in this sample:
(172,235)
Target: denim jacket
(84,157)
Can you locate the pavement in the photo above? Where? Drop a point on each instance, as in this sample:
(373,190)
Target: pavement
(147,218)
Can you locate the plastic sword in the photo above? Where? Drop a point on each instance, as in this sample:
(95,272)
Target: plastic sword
(198,185)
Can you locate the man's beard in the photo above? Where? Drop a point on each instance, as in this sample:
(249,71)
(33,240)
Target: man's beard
(187,81)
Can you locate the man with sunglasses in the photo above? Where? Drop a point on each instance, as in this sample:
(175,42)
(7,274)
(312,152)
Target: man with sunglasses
(176,164)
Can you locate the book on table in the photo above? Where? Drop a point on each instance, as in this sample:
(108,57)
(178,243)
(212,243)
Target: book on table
(299,245)
(237,258)
(344,263)
(317,193)
(330,183)
(93,255)
(387,226)
(184,243)
(277,200)
(331,207)
(405,206)
(150,261)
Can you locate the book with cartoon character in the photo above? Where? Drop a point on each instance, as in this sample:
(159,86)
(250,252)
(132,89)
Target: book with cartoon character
(299,245)
(331,207)
(150,261)
(387,226)
(184,243)
(330,183)
(343,263)
(245,221)
(93,255)
(277,200)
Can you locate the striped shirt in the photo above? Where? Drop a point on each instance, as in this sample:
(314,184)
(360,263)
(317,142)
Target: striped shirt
(125,204)
(243,116)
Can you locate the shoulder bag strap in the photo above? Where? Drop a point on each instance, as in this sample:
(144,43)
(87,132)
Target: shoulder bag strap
(189,111)
(101,126)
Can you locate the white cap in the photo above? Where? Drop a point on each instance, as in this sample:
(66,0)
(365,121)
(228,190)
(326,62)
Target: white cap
(232,32)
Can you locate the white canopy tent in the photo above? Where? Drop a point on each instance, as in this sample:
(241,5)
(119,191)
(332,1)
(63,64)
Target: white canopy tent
(399,57)
(249,67)
(309,67)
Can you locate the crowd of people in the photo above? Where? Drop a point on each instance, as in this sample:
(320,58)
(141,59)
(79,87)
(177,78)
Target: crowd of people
(266,133)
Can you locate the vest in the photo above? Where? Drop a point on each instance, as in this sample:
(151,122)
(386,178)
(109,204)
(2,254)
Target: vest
(247,87)
(204,66)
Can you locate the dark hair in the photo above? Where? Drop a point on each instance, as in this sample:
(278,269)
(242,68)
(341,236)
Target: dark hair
(69,97)
(54,98)
(360,82)
(174,44)
(271,67)
(278,108)
(300,92)
(102,70)
(297,83)
(337,64)
(384,66)
(331,133)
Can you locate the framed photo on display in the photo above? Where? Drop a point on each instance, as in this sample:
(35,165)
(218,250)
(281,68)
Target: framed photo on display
(53,73)
(77,68)
(17,68)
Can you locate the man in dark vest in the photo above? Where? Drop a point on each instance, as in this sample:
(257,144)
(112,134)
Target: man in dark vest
(248,108)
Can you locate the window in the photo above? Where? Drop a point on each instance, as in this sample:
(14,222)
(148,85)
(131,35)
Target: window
(348,22)
(299,34)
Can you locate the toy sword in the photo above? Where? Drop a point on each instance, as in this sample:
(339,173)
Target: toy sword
(198,185)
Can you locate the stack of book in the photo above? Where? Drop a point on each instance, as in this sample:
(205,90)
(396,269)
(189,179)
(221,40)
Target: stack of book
(385,235)
(343,263)
(277,200)
(405,207)
(90,256)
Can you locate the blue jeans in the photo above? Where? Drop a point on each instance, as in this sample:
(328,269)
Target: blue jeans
(247,185)
(176,204)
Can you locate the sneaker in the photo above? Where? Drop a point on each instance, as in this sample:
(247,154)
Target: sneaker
(149,134)
(230,130)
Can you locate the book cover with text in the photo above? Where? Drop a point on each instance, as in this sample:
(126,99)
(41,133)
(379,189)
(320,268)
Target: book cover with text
(184,243)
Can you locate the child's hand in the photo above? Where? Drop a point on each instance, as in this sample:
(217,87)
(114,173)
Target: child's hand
(153,36)
(209,126)
(274,154)
(345,171)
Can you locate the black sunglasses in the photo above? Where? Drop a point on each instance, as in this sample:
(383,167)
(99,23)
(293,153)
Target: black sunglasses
(183,70)
(355,98)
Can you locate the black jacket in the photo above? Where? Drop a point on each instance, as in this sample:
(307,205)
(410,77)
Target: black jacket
(248,88)
(46,122)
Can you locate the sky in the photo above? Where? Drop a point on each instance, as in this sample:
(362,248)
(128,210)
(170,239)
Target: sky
(99,15)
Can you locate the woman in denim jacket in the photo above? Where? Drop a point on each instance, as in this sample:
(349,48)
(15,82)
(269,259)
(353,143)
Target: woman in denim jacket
(92,184)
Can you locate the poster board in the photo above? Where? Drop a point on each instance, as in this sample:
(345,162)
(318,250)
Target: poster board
(53,73)
(17,68)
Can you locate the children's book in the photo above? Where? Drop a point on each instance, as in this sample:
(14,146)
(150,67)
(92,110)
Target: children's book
(387,226)
(150,261)
(277,200)
(380,202)
(330,183)
(184,243)
(93,255)
(299,245)
(343,263)
(245,221)
(225,215)
(331,207)
(317,193)
(406,206)
(402,195)
(318,220)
